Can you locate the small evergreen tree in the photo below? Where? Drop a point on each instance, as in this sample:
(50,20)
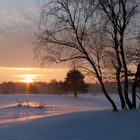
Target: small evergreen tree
(75,82)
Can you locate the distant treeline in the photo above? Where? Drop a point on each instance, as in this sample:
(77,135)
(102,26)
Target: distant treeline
(54,87)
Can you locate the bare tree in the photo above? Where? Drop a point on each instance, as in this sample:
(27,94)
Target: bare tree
(69,31)
(119,15)
(135,59)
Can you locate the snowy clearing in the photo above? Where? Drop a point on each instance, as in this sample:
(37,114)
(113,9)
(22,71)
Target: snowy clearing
(88,117)
(55,105)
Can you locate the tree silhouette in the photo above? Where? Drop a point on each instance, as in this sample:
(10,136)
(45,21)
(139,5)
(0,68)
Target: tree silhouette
(81,32)
(118,16)
(75,82)
(69,32)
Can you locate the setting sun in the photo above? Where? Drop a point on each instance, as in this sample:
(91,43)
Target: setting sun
(28,78)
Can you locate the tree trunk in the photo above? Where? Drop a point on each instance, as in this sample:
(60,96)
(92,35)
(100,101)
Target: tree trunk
(118,69)
(75,93)
(137,76)
(134,94)
(123,104)
(130,105)
(102,85)
(118,72)
(107,96)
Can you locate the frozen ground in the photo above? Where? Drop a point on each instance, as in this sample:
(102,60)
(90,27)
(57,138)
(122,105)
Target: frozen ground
(66,118)
(55,105)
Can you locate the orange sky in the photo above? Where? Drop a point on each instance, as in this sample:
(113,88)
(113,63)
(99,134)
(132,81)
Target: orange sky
(18,27)
(19,21)
(37,74)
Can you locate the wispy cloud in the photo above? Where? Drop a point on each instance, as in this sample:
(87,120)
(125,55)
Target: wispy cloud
(38,74)
(18,23)
(19,69)
(16,15)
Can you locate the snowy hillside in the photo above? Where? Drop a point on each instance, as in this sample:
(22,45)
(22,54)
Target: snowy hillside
(55,105)
(88,117)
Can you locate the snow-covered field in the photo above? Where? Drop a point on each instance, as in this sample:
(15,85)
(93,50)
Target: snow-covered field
(54,105)
(88,117)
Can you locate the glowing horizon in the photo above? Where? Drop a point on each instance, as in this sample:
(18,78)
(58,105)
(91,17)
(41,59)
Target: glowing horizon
(30,74)
(18,30)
